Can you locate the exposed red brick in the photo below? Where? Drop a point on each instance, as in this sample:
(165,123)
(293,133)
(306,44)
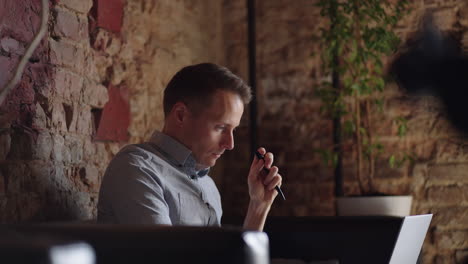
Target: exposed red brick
(14,13)
(108,14)
(115,119)
(19,103)
(7,65)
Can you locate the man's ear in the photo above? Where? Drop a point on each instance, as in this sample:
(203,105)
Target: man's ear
(180,112)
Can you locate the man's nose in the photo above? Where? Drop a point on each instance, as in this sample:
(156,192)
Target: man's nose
(228,141)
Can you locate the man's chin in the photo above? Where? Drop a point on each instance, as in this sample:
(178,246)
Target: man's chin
(211,162)
(206,164)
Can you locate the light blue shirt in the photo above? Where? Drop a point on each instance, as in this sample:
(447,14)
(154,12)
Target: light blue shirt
(156,182)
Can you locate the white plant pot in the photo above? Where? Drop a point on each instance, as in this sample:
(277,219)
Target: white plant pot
(374,205)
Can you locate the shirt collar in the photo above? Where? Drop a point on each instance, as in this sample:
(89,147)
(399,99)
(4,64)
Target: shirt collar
(178,153)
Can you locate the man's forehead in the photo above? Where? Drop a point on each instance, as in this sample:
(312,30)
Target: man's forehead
(225,105)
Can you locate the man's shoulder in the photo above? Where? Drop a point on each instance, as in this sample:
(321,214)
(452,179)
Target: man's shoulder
(133,152)
(141,154)
(139,150)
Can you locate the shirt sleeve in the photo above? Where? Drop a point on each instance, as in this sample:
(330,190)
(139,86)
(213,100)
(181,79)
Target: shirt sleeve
(132,191)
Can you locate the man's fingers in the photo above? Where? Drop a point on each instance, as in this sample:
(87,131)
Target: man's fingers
(261,150)
(268,159)
(257,164)
(276,181)
(271,174)
(256,161)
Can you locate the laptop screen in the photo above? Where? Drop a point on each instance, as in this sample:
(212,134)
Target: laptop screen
(410,239)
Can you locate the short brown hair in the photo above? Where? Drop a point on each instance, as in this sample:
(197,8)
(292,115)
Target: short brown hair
(197,83)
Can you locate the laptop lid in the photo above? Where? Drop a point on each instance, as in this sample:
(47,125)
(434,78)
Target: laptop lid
(410,239)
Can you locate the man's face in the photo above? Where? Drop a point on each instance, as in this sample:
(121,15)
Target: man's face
(210,131)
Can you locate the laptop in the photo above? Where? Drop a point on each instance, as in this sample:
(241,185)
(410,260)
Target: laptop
(410,239)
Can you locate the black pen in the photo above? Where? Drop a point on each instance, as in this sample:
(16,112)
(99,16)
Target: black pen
(277,188)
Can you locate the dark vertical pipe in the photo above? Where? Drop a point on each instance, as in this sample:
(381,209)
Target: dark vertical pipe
(337,140)
(252,74)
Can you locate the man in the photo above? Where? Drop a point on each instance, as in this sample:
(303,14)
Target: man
(165,180)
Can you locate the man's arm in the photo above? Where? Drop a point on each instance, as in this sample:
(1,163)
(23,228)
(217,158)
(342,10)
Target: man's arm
(261,190)
(130,191)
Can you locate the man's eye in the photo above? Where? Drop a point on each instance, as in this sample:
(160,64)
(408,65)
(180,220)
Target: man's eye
(220,128)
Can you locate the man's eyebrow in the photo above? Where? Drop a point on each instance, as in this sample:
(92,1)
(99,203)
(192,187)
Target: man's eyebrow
(234,127)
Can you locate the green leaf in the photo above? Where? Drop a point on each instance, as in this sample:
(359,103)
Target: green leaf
(349,127)
(402,126)
(362,130)
(334,160)
(329,157)
(391,161)
(360,66)
(380,84)
(379,103)
(356,87)
(379,147)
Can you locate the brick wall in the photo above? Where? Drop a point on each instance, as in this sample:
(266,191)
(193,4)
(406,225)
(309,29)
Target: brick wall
(46,172)
(92,68)
(290,125)
(94,84)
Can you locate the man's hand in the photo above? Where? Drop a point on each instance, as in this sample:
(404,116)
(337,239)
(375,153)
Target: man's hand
(261,190)
(262,184)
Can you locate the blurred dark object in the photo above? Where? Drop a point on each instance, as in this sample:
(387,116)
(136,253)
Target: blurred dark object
(433,63)
(19,248)
(142,244)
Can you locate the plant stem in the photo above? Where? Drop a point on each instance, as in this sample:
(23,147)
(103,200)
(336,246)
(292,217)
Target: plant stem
(371,152)
(336,121)
(357,33)
(357,112)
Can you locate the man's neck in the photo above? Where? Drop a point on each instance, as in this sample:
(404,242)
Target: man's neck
(174,135)
(177,137)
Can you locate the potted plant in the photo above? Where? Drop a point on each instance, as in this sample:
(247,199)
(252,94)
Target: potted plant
(360,36)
